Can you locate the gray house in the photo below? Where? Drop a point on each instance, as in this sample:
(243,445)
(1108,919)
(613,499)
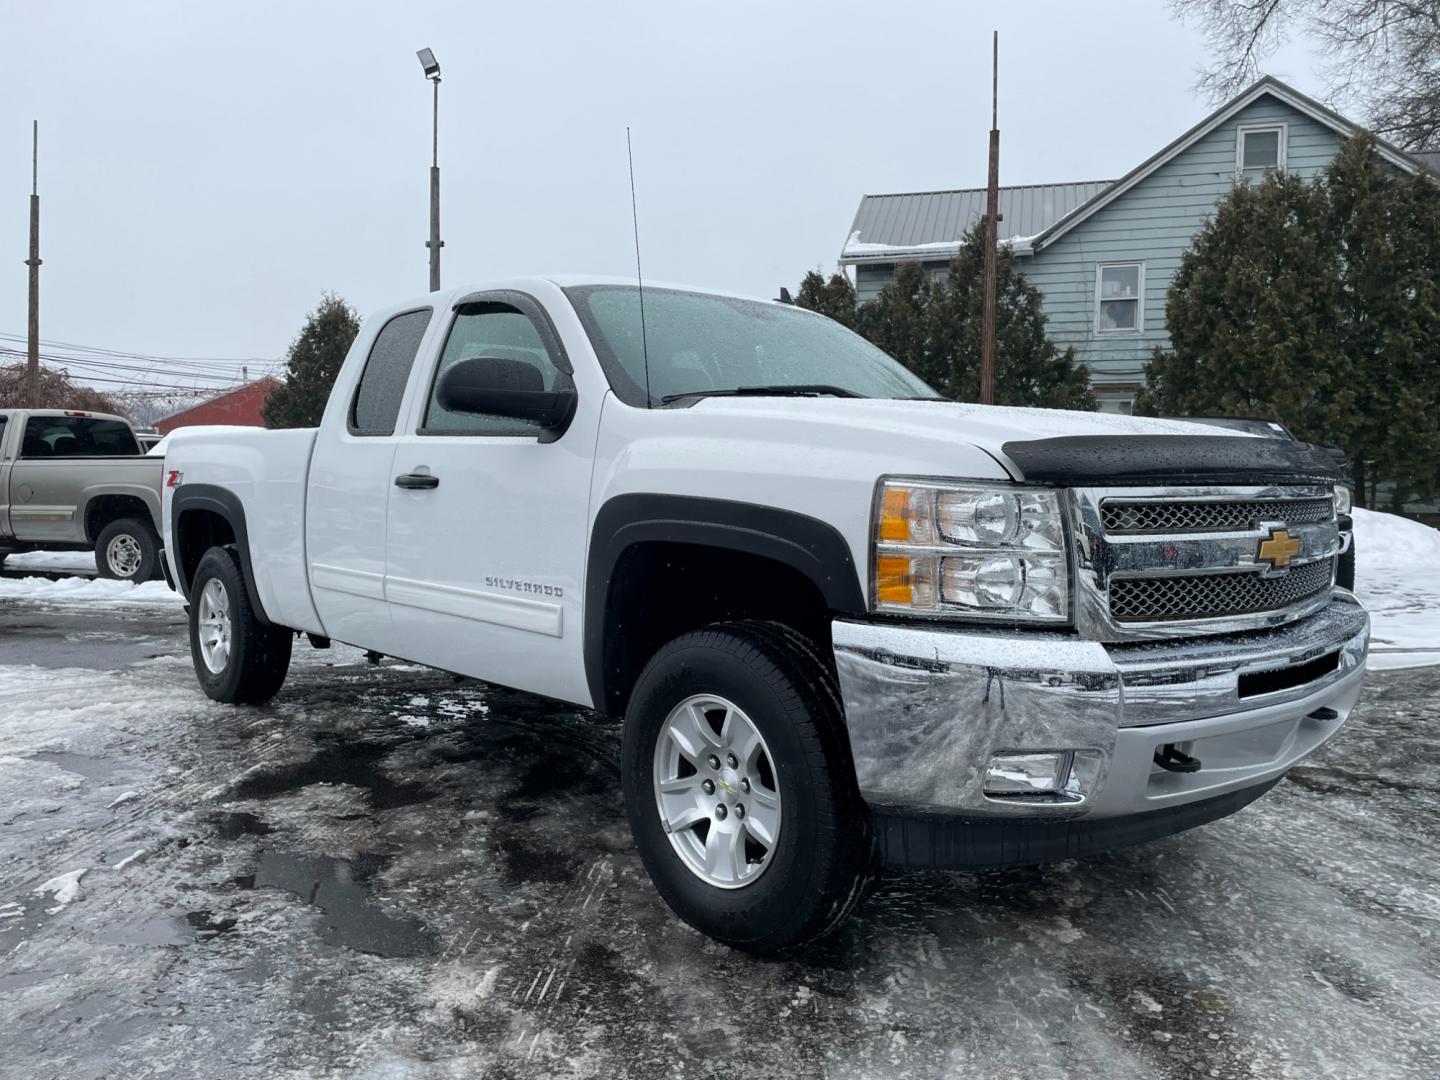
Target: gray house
(1102,252)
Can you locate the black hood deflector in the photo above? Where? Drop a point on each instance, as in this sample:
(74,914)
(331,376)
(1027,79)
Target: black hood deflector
(1091,460)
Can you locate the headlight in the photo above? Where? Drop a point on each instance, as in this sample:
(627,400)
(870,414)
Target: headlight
(978,551)
(1342,499)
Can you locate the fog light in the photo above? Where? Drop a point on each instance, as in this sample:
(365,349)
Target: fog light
(1028,774)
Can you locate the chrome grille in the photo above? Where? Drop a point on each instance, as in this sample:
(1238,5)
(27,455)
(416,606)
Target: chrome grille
(1202,596)
(1121,517)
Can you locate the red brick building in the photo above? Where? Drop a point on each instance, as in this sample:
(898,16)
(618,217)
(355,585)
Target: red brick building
(240,406)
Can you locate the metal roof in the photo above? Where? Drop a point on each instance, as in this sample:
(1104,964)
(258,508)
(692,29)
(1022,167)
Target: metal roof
(1430,158)
(914,223)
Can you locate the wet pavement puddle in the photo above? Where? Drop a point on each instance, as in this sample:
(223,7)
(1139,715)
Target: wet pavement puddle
(341,762)
(88,767)
(233,825)
(339,889)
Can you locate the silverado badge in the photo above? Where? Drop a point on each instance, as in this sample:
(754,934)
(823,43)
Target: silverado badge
(1278,548)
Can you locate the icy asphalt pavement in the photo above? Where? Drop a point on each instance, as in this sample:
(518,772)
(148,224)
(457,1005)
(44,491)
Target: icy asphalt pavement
(388,874)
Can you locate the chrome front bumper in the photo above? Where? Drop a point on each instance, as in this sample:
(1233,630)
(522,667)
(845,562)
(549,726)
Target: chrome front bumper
(928,708)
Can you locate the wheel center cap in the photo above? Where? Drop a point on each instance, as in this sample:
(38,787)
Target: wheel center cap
(728,781)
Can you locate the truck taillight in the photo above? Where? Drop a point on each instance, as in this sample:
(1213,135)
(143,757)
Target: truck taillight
(174,478)
(72,412)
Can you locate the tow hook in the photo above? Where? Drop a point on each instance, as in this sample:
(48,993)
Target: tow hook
(1172,759)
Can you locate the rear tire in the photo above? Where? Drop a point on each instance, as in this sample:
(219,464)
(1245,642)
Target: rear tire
(238,659)
(128,550)
(769,689)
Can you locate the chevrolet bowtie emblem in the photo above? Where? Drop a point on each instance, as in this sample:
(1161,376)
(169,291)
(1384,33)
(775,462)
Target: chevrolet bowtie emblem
(1278,549)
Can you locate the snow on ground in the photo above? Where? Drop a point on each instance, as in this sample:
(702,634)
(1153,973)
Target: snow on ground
(90,592)
(53,562)
(1397,578)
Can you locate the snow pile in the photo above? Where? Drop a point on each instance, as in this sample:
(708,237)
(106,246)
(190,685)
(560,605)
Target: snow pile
(53,562)
(1397,578)
(91,592)
(65,887)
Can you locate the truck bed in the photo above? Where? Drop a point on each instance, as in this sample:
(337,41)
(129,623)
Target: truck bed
(47,496)
(265,472)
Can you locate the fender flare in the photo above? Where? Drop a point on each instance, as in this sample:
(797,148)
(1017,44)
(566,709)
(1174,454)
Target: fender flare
(814,548)
(144,494)
(226,504)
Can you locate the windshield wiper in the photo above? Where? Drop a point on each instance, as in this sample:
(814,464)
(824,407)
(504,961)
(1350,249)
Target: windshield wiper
(791,390)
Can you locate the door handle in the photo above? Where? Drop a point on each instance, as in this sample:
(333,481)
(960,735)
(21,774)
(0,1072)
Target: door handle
(413,481)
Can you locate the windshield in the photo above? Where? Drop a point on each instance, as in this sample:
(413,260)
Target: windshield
(703,344)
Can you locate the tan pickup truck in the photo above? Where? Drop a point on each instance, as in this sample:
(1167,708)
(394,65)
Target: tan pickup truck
(78,481)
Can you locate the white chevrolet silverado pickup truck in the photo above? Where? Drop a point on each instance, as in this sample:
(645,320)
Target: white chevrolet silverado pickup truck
(848,624)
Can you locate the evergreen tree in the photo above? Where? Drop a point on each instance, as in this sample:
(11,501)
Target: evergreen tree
(1029,369)
(1251,316)
(933,328)
(1317,305)
(311,365)
(1386,229)
(900,322)
(835,298)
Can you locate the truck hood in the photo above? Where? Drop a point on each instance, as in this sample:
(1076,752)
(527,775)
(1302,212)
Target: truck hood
(988,427)
(1053,446)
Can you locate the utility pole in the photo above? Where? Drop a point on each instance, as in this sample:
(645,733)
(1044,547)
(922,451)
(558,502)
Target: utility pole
(32,346)
(992,217)
(431,68)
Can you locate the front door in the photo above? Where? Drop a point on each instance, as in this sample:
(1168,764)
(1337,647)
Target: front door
(487,523)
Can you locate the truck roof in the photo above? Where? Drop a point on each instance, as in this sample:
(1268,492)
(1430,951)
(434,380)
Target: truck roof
(448,297)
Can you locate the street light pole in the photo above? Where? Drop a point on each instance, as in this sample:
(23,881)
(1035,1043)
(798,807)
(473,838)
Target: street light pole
(431,68)
(32,336)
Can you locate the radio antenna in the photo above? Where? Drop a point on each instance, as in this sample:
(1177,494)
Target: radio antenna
(639,277)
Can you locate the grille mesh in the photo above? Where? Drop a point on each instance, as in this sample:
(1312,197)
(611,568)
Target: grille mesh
(1208,596)
(1173,517)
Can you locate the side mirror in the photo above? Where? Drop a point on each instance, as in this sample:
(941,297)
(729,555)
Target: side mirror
(496,386)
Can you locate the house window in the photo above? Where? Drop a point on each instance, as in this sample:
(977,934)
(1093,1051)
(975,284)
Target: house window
(1120,298)
(1123,403)
(1258,149)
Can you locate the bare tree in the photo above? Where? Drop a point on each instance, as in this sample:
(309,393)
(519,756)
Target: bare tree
(57,391)
(1383,55)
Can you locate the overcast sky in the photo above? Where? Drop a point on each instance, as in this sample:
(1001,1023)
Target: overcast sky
(208,169)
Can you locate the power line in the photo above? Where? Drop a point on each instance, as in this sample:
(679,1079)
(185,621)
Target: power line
(73,347)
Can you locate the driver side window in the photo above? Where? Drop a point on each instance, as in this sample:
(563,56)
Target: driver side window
(488,330)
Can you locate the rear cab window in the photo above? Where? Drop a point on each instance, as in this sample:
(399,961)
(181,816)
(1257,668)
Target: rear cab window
(376,404)
(77,436)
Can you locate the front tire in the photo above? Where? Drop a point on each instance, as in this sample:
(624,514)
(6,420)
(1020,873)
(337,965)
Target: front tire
(238,659)
(128,550)
(740,788)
